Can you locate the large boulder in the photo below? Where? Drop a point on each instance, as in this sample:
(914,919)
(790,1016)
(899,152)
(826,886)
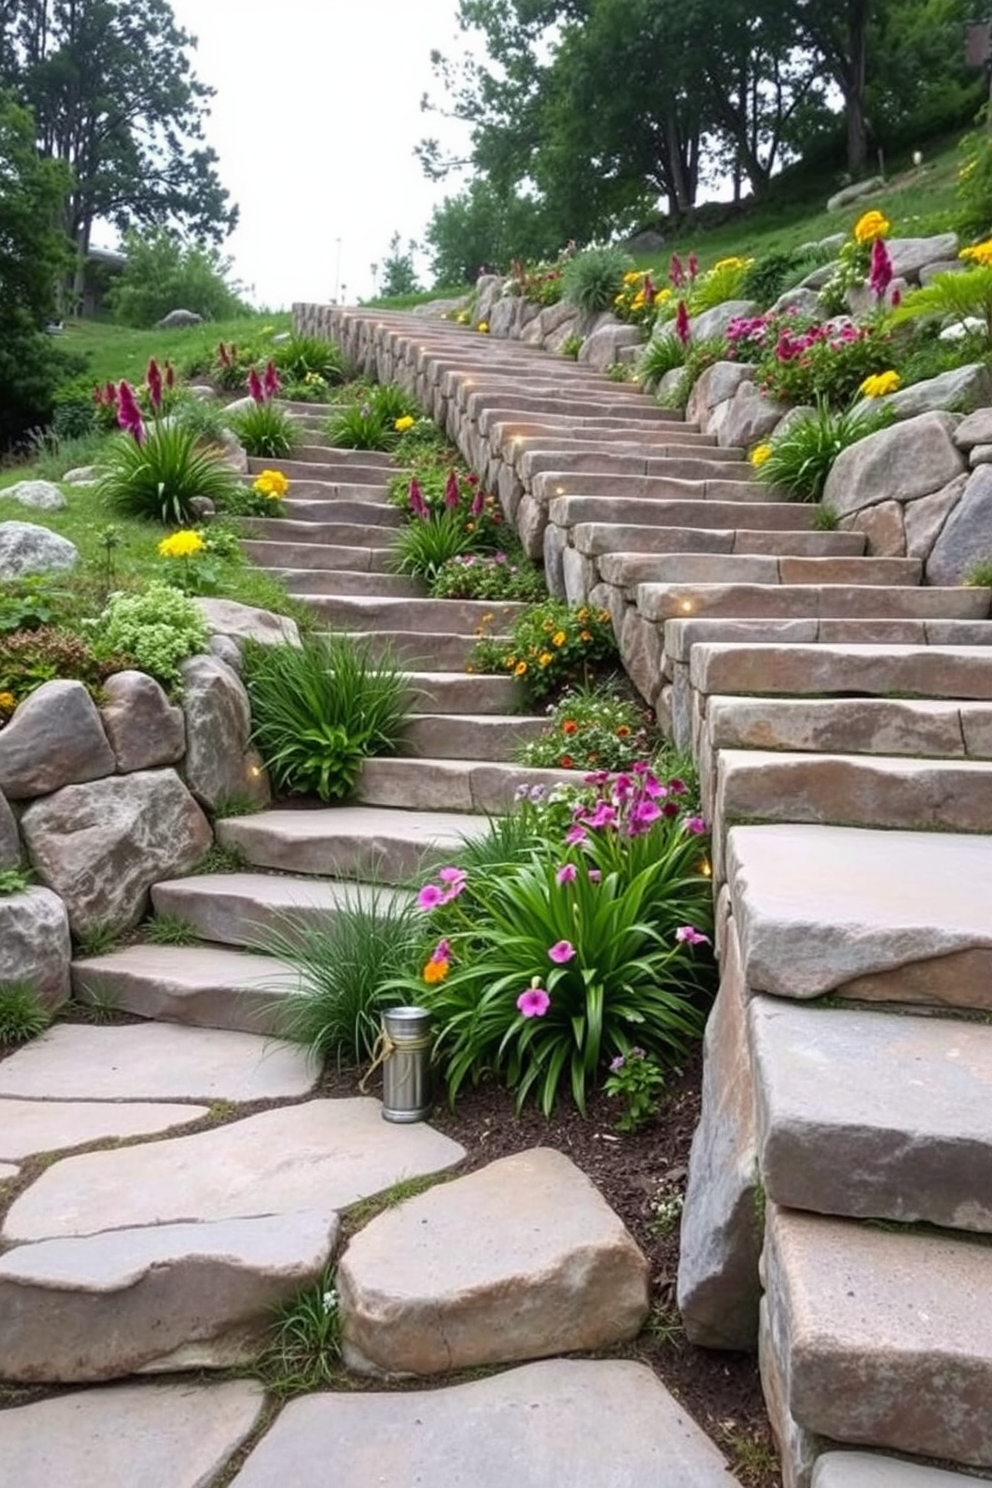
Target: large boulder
(145,730)
(55,738)
(27,549)
(176,319)
(101,846)
(35,949)
(219,765)
(958,389)
(227,617)
(41,494)
(10,838)
(712,323)
(908,256)
(749,416)
(965,538)
(857,191)
(714,386)
(603,347)
(924,519)
(901,463)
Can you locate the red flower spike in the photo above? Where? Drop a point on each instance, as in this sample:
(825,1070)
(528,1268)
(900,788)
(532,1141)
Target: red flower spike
(682,323)
(452,492)
(272,383)
(676,273)
(153,379)
(255,386)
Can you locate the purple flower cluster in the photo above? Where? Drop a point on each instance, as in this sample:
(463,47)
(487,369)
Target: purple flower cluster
(628,803)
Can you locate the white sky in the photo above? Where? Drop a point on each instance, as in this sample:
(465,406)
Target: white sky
(316,114)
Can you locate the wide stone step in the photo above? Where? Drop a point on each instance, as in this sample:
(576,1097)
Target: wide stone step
(206,986)
(855,725)
(735,668)
(595,538)
(334,534)
(454,692)
(339,467)
(321,582)
(488,787)
(428,652)
(681,636)
(663,463)
(800,601)
(628,570)
(359,842)
(613,436)
(554,484)
(322,555)
(500,406)
(241,908)
(461,736)
(900,1131)
(872,1470)
(869,915)
(365,492)
(879,1338)
(435,616)
(556,1421)
(415,1300)
(613,511)
(342,510)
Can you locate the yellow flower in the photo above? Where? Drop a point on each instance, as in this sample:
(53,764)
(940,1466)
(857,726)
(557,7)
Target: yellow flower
(7,700)
(638,300)
(510,662)
(730,263)
(662,295)
(545,658)
(632,276)
(402,424)
(483,326)
(181,545)
(980,253)
(559,638)
(436,971)
(271,483)
(968,169)
(463,317)
(520,669)
(879,385)
(760,454)
(871,225)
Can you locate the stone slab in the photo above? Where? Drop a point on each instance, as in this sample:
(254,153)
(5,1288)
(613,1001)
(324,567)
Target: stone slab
(153,1300)
(7,1172)
(873,1116)
(834,909)
(238,908)
(963,672)
(882,1336)
(271,1163)
(803,601)
(871,1470)
(777,516)
(161,1436)
(567,1423)
(521,1259)
(155,1062)
(842,725)
(28,1127)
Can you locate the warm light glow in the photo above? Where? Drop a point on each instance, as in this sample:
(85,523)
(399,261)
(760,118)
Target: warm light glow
(254,771)
(706,868)
(559,490)
(687,606)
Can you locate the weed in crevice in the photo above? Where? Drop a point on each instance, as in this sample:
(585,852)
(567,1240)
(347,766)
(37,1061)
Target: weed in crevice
(170,929)
(22,1014)
(98,940)
(305,1352)
(358,1215)
(95,1001)
(219,858)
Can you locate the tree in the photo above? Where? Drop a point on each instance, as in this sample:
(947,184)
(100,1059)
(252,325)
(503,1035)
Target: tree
(162,273)
(484,227)
(33,252)
(398,274)
(115,99)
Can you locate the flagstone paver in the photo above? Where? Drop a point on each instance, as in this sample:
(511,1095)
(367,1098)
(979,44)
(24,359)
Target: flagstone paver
(28,1127)
(869,1470)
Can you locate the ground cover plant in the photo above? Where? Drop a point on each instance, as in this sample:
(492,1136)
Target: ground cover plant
(595,726)
(799,460)
(551,645)
(265,430)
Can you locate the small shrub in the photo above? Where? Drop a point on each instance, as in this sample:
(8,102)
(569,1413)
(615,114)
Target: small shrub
(722,282)
(591,280)
(73,414)
(425,546)
(202,417)
(550,646)
(811,360)
(170,929)
(159,628)
(591,728)
(266,431)
(958,297)
(636,1080)
(29,602)
(302,357)
(539,284)
(159,477)
(318,710)
(571,347)
(14,881)
(488,576)
(22,1014)
(662,355)
(767,278)
(29,658)
(800,460)
(370,423)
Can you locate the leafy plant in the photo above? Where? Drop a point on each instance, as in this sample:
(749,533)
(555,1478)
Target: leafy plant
(318,710)
(202,417)
(170,929)
(488,576)
(980,576)
(14,881)
(571,346)
(663,353)
(593,727)
(159,628)
(158,478)
(342,971)
(636,1080)
(550,645)
(266,431)
(771,275)
(800,460)
(809,360)
(369,423)
(22,1014)
(29,602)
(221,859)
(721,282)
(30,657)
(592,279)
(959,297)
(305,1351)
(97,940)
(303,356)
(425,546)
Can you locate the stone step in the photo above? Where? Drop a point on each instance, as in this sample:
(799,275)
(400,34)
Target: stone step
(239,908)
(628,570)
(681,636)
(857,725)
(371,843)
(373,515)
(321,582)
(546,459)
(800,601)
(324,555)
(900,1130)
(872,1470)
(556,1421)
(595,538)
(359,533)
(462,736)
(428,653)
(874,916)
(609,435)
(734,668)
(490,788)
(771,516)
(877,1337)
(372,493)
(414,1301)
(457,692)
(339,467)
(554,484)
(206,986)
(493,405)
(434,616)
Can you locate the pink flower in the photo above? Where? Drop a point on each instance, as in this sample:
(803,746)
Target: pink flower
(129,414)
(689,935)
(603,816)
(415,497)
(676,273)
(567,873)
(693,266)
(153,379)
(575,835)
(677,787)
(476,509)
(452,495)
(561,951)
(255,386)
(642,817)
(682,329)
(881,269)
(272,384)
(533,1003)
(695,825)
(594,875)
(441,952)
(430,897)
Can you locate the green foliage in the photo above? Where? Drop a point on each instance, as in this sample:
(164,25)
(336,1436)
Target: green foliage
(221,859)
(157,480)
(550,645)
(547,967)
(808,361)
(825,519)
(488,576)
(97,940)
(663,354)
(426,545)
(974,186)
(29,658)
(303,356)
(341,971)
(571,346)
(14,881)
(592,279)
(73,412)
(958,297)
(163,273)
(398,275)
(201,417)
(593,727)
(30,601)
(159,627)
(636,1080)
(265,430)
(22,1014)
(482,227)
(722,282)
(304,1354)
(369,422)
(800,460)
(318,710)
(698,355)
(774,273)
(980,576)
(170,929)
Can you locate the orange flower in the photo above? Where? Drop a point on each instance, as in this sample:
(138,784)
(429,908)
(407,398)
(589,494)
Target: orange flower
(569,726)
(623,732)
(520,669)
(566,762)
(585,636)
(436,971)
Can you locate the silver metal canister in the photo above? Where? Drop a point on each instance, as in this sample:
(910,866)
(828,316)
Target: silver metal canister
(406,1065)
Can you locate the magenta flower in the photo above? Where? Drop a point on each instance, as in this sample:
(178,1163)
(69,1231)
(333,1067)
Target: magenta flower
(415,497)
(693,267)
(255,386)
(452,495)
(561,951)
(430,897)
(676,273)
(682,323)
(594,875)
(649,290)
(533,1003)
(642,818)
(475,510)
(689,935)
(603,816)
(272,385)
(575,835)
(452,875)
(567,873)
(441,952)
(881,269)
(677,787)
(695,825)
(129,414)
(153,379)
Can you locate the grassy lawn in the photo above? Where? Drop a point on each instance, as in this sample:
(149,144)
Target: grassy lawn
(117,351)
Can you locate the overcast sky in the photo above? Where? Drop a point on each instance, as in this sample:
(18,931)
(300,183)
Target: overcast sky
(315,118)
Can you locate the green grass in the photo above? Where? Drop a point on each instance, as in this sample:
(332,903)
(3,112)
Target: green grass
(117,351)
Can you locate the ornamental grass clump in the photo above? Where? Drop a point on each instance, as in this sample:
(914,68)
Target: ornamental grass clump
(799,460)
(541,970)
(592,279)
(550,646)
(266,431)
(445,521)
(368,421)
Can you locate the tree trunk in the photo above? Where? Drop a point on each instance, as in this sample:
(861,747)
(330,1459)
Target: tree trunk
(857,124)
